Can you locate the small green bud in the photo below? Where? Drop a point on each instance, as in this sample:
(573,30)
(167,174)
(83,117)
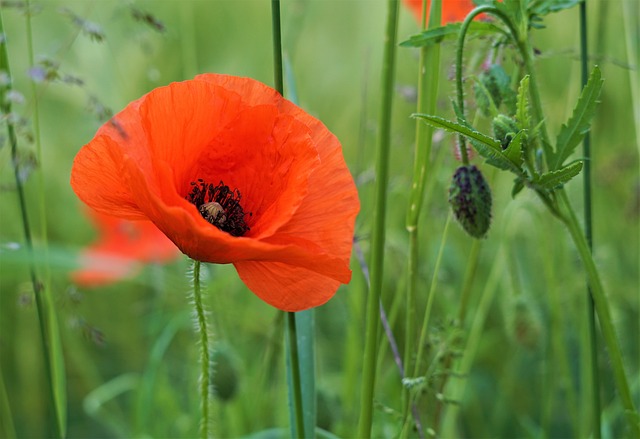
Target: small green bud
(470,200)
(495,82)
(504,129)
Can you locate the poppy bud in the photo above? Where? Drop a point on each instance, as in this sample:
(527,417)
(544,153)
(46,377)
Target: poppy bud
(470,199)
(492,87)
(504,129)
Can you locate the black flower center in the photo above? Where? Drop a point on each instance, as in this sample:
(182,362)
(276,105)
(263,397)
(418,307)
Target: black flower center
(220,206)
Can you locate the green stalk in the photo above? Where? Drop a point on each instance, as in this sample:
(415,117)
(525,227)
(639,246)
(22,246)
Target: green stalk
(378,232)
(203,332)
(7,429)
(631,24)
(434,282)
(49,336)
(277,46)
(294,365)
(596,410)
(305,325)
(428,79)
(295,386)
(457,385)
(467,280)
(604,314)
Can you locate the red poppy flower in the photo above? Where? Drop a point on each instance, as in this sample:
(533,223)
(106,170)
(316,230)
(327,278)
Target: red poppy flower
(232,173)
(120,249)
(452,10)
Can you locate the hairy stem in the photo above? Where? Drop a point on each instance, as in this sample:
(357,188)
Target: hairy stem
(201,329)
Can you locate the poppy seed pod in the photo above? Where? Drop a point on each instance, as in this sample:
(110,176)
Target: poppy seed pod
(470,199)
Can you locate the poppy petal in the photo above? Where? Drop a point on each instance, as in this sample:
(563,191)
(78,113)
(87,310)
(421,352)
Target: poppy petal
(286,287)
(201,241)
(119,250)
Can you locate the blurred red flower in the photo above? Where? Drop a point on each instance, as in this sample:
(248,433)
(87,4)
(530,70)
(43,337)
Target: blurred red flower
(121,248)
(452,10)
(233,173)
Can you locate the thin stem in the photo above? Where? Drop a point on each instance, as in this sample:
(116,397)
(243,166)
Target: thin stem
(596,410)
(201,329)
(428,79)
(467,280)
(294,363)
(277,46)
(434,282)
(294,358)
(378,233)
(459,87)
(604,314)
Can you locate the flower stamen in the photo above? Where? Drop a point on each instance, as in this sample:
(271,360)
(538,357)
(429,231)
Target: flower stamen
(220,206)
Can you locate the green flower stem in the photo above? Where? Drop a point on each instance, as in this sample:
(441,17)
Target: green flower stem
(295,390)
(586,177)
(294,364)
(428,79)
(378,232)
(277,46)
(469,276)
(46,314)
(203,332)
(434,282)
(604,314)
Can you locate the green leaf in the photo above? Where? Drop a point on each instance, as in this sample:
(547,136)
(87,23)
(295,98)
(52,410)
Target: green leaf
(522,104)
(450,32)
(495,158)
(514,150)
(577,126)
(554,179)
(518,185)
(487,147)
(544,7)
(454,127)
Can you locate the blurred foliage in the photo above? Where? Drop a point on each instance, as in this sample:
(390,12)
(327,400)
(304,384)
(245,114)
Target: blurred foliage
(130,351)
